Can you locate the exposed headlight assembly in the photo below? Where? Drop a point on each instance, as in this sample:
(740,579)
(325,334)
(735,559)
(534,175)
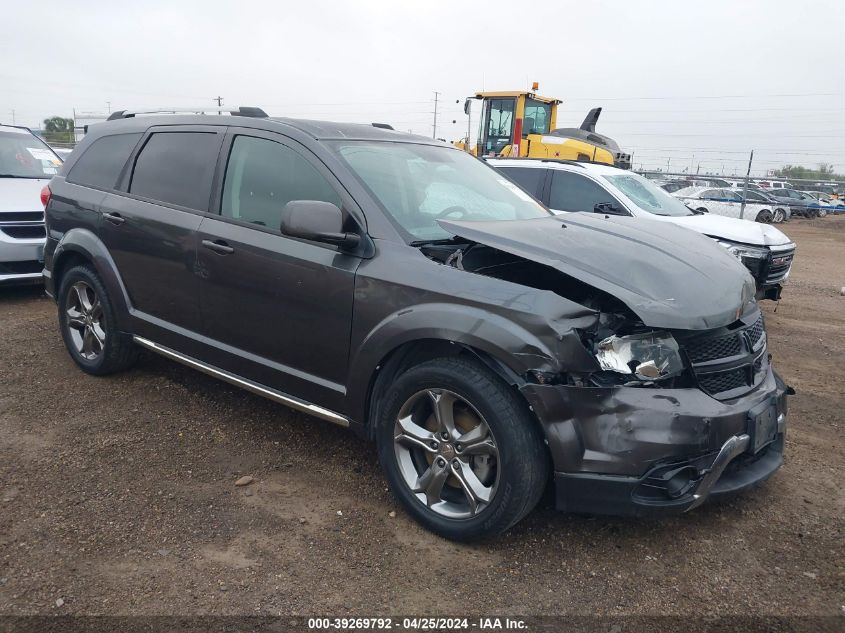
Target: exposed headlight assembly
(743,252)
(648,357)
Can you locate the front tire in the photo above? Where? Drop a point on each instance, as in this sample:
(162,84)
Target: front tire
(88,324)
(460,449)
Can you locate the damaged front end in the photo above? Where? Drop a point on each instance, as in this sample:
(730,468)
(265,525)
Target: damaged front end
(647,408)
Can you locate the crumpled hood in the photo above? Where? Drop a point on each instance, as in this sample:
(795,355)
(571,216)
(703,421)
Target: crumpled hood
(21,194)
(733,229)
(668,276)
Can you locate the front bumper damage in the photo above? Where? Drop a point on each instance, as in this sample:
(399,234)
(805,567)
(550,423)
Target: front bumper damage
(638,450)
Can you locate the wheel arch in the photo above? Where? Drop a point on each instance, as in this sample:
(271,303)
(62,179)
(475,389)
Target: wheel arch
(81,246)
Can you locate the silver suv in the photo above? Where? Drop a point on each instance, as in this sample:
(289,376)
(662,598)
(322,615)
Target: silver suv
(26,165)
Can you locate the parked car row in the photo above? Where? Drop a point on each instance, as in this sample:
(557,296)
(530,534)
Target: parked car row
(758,207)
(403,288)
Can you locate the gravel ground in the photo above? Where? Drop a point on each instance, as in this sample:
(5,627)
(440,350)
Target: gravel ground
(119,497)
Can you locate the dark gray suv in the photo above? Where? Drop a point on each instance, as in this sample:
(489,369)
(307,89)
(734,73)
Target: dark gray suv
(398,286)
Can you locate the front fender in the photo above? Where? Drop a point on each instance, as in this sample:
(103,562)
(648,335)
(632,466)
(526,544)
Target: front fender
(84,243)
(541,345)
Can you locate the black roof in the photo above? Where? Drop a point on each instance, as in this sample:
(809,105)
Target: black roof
(320,130)
(325,130)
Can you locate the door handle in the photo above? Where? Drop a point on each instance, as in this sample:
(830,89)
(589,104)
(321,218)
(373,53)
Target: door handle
(220,247)
(114,218)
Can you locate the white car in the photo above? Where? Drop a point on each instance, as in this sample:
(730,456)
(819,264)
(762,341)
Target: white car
(728,202)
(26,165)
(567,186)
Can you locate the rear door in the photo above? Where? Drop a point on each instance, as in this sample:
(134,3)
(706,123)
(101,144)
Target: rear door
(150,228)
(277,310)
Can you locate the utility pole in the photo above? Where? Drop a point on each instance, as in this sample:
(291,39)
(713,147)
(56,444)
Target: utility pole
(434,127)
(219,101)
(13,116)
(108,106)
(745,187)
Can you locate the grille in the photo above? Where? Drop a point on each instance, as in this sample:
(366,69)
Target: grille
(705,350)
(20,268)
(781,262)
(24,232)
(724,381)
(756,331)
(726,362)
(21,216)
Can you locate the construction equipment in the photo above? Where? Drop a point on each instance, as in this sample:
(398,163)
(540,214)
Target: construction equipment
(523,124)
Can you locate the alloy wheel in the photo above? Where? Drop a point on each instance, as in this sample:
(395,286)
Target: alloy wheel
(84,314)
(446,453)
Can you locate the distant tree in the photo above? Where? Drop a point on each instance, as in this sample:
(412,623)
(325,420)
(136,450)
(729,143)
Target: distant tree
(58,130)
(824,172)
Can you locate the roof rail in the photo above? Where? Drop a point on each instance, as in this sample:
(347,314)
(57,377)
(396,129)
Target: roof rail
(247,111)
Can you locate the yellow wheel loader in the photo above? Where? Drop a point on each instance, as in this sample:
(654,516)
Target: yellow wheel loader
(520,124)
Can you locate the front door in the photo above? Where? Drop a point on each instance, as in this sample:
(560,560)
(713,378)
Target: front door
(150,228)
(277,310)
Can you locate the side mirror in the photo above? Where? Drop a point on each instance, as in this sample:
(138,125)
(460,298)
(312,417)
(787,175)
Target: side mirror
(317,221)
(467,105)
(609,209)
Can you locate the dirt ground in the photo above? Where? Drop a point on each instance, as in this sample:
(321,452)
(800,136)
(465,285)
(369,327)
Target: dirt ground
(118,497)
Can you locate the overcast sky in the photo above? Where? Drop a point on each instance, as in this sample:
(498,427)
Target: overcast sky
(679,83)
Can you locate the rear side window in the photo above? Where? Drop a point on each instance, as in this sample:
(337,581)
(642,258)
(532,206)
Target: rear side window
(573,192)
(176,168)
(100,166)
(263,176)
(528,178)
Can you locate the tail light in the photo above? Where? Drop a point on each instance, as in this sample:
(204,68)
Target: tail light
(45,196)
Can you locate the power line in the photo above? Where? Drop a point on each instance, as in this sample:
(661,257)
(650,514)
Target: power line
(681,98)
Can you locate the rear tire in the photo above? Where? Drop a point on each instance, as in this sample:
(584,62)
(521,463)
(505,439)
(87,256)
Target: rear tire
(460,449)
(822,212)
(88,324)
(765,217)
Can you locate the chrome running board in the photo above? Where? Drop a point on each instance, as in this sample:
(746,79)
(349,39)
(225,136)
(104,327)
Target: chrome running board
(254,387)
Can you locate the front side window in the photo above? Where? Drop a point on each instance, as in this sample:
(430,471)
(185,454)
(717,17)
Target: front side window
(574,192)
(176,168)
(537,117)
(419,184)
(262,176)
(23,155)
(499,124)
(710,194)
(102,162)
(647,196)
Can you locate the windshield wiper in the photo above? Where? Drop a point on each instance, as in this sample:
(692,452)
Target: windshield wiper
(449,240)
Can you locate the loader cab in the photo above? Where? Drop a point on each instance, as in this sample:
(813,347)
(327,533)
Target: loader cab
(508,118)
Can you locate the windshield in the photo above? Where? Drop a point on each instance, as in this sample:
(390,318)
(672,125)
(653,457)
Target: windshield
(22,155)
(419,184)
(647,196)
